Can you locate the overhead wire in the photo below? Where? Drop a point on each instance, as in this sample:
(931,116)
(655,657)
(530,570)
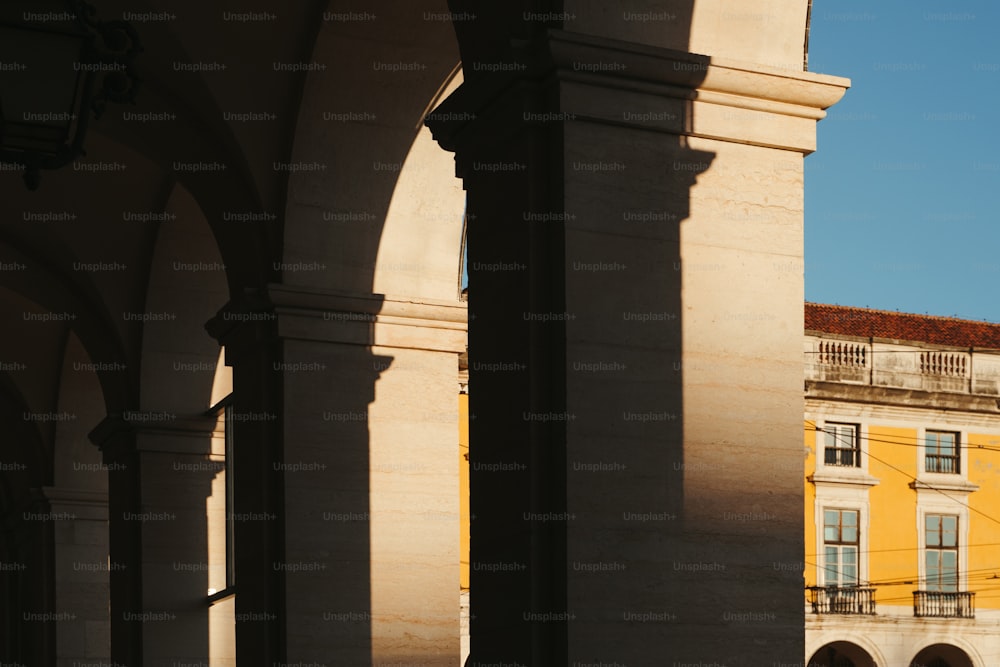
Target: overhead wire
(900,581)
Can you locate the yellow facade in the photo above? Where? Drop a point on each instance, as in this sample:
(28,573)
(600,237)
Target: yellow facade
(893,537)
(984,537)
(809,564)
(891,544)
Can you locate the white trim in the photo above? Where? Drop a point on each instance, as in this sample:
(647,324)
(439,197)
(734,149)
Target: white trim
(904,417)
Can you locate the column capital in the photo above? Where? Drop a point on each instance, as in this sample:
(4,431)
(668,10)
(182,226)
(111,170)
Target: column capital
(606,81)
(244,321)
(114,436)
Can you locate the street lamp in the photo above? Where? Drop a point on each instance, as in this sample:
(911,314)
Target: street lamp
(58,64)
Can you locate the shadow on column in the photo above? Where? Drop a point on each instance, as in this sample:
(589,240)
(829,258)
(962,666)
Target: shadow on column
(578,180)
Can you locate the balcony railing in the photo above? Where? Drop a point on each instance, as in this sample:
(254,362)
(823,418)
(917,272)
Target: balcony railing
(838,353)
(941,604)
(947,463)
(841,456)
(842,600)
(943,363)
(885,363)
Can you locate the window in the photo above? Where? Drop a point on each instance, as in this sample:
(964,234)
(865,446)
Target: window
(941,452)
(840,547)
(941,552)
(225,409)
(842,445)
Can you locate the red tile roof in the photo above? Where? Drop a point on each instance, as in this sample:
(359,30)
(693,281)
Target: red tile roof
(869,323)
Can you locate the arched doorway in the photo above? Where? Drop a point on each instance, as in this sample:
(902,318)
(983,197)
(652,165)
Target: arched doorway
(941,655)
(841,654)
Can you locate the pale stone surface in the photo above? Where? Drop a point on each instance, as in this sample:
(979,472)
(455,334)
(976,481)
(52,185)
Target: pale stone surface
(378,510)
(765,32)
(708,291)
(919,366)
(390,222)
(81,568)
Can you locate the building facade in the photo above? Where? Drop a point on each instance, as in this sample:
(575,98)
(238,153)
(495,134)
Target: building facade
(902,512)
(270,238)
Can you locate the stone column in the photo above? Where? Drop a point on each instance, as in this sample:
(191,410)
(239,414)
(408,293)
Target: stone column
(247,329)
(183,496)
(81,574)
(165,491)
(363,473)
(371,478)
(636,466)
(116,440)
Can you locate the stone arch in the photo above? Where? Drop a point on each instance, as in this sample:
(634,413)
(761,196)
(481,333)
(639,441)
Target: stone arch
(369,299)
(383,214)
(187,281)
(843,653)
(52,486)
(945,654)
(423,231)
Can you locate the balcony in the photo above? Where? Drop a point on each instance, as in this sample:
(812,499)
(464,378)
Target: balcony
(941,604)
(842,600)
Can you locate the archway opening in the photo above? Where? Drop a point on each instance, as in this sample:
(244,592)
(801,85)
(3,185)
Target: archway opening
(841,654)
(941,655)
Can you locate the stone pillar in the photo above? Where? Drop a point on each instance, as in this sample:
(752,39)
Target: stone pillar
(247,329)
(116,440)
(636,465)
(161,476)
(370,477)
(182,491)
(81,574)
(359,554)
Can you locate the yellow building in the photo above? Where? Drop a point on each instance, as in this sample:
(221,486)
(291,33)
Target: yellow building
(902,490)
(902,511)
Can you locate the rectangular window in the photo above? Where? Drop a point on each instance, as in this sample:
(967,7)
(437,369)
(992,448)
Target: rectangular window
(842,447)
(941,452)
(941,553)
(840,547)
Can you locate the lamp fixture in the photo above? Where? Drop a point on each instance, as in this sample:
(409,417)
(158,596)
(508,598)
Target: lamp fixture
(58,65)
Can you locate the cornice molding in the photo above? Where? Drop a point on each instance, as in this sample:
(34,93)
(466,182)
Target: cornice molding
(314,314)
(859,478)
(925,483)
(983,406)
(667,91)
(796,92)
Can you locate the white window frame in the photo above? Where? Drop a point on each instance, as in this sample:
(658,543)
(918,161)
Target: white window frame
(957,485)
(942,505)
(861,434)
(823,566)
(857,475)
(842,498)
(960,444)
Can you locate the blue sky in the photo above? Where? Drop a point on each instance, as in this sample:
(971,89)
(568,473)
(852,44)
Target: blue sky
(903,194)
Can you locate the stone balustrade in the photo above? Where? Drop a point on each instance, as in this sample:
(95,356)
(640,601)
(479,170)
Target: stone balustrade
(905,366)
